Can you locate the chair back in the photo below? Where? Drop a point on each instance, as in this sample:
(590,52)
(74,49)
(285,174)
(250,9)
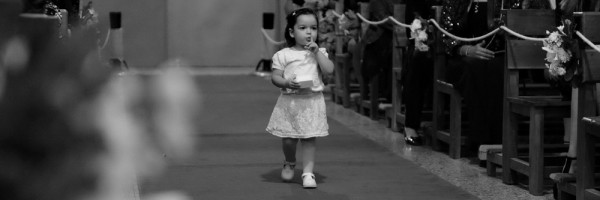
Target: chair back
(439,51)
(524,56)
(400,39)
(590,59)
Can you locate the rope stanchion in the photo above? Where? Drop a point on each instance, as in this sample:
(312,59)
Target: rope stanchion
(461,38)
(337,14)
(587,41)
(438,27)
(521,36)
(371,22)
(398,23)
(105,40)
(271,40)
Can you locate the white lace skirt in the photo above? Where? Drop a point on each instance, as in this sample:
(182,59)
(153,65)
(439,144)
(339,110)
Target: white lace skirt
(299,116)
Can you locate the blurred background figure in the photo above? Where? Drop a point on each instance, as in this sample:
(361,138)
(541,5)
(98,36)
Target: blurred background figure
(71,129)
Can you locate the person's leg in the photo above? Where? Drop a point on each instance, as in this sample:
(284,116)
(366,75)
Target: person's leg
(308,154)
(289,149)
(414,92)
(308,162)
(494,99)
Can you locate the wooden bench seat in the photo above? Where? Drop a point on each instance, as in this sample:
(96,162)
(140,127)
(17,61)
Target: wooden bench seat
(445,130)
(522,55)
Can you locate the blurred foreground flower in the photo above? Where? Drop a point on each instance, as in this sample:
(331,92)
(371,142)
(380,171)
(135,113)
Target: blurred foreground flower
(70,129)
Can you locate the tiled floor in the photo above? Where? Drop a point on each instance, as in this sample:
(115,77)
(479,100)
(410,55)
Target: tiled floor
(461,172)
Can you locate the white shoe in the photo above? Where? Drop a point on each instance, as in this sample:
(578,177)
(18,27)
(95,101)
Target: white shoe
(308,180)
(287,173)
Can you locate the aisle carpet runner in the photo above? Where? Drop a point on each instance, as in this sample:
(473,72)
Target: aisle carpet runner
(236,159)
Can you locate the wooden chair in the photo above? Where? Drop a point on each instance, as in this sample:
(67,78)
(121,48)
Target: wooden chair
(396,116)
(357,57)
(588,129)
(443,90)
(369,106)
(527,55)
(343,61)
(585,186)
(39,27)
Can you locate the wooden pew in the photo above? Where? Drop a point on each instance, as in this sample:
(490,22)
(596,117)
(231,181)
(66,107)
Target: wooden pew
(442,91)
(342,89)
(586,184)
(587,131)
(527,55)
(400,42)
(356,58)
(369,106)
(584,101)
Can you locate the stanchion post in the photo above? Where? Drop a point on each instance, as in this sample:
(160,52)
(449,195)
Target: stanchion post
(400,42)
(438,65)
(117,55)
(265,62)
(340,90)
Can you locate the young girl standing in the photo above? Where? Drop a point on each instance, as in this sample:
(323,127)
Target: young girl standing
(299,114)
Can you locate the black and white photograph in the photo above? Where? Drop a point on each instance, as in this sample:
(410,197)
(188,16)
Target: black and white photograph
(299,99)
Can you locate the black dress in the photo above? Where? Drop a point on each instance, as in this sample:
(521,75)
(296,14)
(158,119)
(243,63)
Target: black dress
(417,75)
(480,82)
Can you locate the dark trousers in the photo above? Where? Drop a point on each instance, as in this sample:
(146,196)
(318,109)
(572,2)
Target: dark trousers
(481,85)
(417,86)
(377,60)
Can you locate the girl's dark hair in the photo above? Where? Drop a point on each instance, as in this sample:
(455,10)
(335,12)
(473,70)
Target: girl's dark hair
(291,19)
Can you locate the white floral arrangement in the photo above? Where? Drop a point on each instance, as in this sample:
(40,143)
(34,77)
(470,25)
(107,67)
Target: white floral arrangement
(348,23)
(419,34)
(557,55)
(89,16)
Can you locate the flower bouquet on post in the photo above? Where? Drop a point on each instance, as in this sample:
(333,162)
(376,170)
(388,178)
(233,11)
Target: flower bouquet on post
(418,32)
(562,69)
(86,27)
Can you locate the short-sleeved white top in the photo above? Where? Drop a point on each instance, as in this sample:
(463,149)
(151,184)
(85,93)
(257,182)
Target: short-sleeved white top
(299,62)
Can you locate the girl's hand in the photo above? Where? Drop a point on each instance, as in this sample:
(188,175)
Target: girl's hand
(477,52)
(312,47)
(291,83)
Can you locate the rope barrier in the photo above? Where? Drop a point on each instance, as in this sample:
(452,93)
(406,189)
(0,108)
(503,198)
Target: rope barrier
(521,36)
(337,14)
(587,41)
(444,31)
(269,37)
(371,22)
(461,38)
(399,23)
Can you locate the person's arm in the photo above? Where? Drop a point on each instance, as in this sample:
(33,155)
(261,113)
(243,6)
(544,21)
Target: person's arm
(278,64)
(322,58)
(475,51)
(324,63)
(453,19)
(454,14)
(278,80)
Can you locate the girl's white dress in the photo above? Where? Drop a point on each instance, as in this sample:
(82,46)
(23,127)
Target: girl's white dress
(299,113)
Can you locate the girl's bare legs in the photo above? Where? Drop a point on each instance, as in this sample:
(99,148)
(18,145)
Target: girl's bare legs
(308,154)
(289,149)
(308,160)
